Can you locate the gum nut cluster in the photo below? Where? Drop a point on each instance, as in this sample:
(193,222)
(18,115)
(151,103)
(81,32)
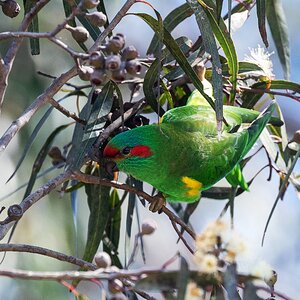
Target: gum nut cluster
(115,64)
(10,8)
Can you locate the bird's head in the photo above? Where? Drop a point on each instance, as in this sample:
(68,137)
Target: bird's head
(132,151)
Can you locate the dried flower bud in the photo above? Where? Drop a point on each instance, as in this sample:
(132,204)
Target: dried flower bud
(296,137)
(98,77)
(118,296)
(97,18)
(133,67)
(270,281)
(89,4)
(97,60)
(116,43)
(149,226)
(113,62)
(115,286)
(84,73)
(102,260)
(118,75)
(79,33)
(10,8)
(56,155)
(130,53)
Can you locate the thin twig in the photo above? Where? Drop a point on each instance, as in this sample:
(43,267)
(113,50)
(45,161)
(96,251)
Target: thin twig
(86,178)
(64,111)
(181,237)
(7,63)
(47,252)
(30,200)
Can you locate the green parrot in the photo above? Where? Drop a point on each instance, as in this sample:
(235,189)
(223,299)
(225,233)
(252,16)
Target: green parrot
(183,155)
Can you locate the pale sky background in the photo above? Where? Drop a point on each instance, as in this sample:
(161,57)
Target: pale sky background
(251,209)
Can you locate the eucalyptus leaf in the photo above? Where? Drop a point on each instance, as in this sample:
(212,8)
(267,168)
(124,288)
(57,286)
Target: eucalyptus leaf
(279,30)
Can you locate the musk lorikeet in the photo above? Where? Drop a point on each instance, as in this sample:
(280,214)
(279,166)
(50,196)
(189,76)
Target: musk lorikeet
(183,155)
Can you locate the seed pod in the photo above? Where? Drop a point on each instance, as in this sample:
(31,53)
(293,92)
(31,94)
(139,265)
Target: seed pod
(116,43)
(115,286)
(89,4)
(10,8)
(296,137)
(118,75)
(118,296)
(97,60)
(97,18)
(98,77)
(129,53)
(84,73)
(149,226)
(79,33)
(133,67)
(113,62)
(102,260)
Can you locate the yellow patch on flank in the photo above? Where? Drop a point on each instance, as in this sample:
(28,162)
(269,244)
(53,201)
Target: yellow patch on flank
(194,186)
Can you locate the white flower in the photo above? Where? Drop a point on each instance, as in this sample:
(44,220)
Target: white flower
(208,263)
(235,245)
(263,271)
(193,292)
(261,57)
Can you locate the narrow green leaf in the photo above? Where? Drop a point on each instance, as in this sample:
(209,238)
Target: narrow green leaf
(150,83)
(222,35)
(33,135)
(95,112)
(113,226)
(219,6)
(129,217)
(98,201)
(210,47)
(244,67)
(182,278)
(250,98)
(272,150)
(281,191)
(33,27)
(261,17)
(174,18)
(230,282)
(281,85)
(41,158)
(240,7)
(250,292)
(279,30)
(177,53)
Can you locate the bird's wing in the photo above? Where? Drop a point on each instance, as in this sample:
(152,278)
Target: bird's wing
(200,118)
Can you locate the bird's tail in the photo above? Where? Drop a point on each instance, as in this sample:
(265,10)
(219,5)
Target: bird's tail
(257,126)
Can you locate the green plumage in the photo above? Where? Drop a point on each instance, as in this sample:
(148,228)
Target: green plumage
(186,155)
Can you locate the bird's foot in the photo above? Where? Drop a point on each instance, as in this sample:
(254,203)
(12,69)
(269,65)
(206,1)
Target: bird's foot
(159,201)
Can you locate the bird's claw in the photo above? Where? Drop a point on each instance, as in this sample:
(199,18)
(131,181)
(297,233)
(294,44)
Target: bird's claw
(158,203)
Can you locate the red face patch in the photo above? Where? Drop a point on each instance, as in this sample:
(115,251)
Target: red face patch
(141,151)
(110,151)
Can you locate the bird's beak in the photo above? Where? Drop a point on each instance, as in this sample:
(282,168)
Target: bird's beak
(111,167)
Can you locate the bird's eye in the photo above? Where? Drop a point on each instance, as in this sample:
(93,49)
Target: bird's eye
(126,150)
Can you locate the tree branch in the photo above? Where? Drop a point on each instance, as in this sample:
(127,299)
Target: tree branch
(77,175)
(7,62)
(47,252)
(34,107)
(15,212)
